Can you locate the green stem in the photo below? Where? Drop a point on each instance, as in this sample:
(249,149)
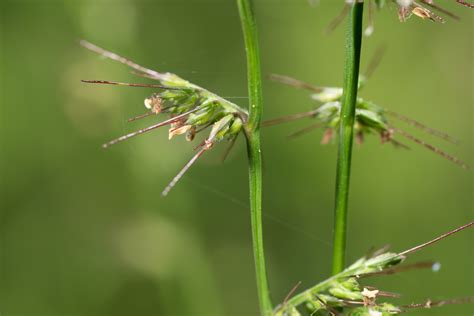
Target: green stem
(252,130)
(346,133)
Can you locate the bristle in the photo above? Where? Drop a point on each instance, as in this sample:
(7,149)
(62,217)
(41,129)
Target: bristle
(289,118)
(394,270)
(147,129)
(183,171)
(372,253)
(139,117)
(429,303)
(426,244)
(423,127)
(332,311)
(152,73)
(290,81)
(305,130)
(126,84)
(229,148)
(338,19)
(370,24)
(433,148)
(291,292)
(440,9)
(375,61)
(465,3)
(398,144)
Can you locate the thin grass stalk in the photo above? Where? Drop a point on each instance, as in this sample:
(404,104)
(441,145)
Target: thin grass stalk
(252,132)
(346,133)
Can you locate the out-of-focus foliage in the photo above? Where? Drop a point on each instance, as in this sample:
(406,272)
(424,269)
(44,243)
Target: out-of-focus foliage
(84,231)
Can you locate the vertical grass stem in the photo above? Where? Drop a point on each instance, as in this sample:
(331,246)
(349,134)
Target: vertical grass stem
(252,130)
(346,133)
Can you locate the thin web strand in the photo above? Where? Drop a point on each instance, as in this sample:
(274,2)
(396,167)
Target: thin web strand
(273,218)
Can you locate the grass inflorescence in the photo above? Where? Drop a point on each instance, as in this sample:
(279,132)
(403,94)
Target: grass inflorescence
(192,109)
(424,9)
(370,119)
(345,294)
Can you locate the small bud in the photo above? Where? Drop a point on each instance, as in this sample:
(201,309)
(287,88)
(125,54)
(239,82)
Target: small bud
(342,293)
(219,129)
(351,284)
(204,115)
(235,127)
(383,261)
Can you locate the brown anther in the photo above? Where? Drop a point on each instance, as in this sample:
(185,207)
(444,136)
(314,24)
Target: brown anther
(178,130)
(328,134)
(403,14)
(386,135)
(423,13)
(369,296)
(359,138)
(154,103)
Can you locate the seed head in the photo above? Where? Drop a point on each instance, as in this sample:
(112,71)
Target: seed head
(343,293)
(370,118)
(191,109)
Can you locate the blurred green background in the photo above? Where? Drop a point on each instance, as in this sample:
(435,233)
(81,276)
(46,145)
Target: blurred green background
(84,231)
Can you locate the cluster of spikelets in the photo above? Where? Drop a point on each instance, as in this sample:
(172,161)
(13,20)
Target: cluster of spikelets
(408,8)
(343,294)
(370,118)
(191,109)
(424,9)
